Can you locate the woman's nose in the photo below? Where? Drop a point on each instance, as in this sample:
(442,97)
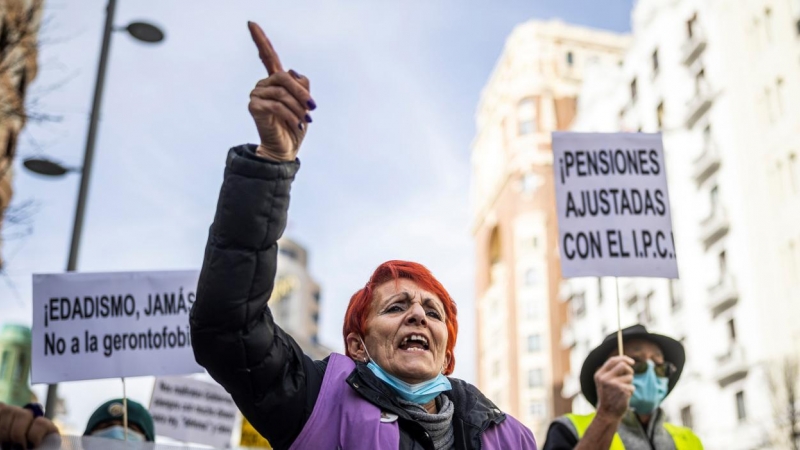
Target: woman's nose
(416,314)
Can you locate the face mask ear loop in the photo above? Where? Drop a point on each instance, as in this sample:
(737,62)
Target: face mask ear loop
(369,358)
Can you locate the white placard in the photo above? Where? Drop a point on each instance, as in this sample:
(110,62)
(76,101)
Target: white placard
(193,411)
(108,325)
(613,205)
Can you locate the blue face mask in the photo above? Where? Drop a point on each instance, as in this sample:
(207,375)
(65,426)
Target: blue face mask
(118,432)
(650,390)
(420,393)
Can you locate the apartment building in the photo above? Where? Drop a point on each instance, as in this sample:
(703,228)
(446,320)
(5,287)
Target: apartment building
(532,91)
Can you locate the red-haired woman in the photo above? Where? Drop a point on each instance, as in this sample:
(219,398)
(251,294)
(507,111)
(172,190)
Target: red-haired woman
(390,391)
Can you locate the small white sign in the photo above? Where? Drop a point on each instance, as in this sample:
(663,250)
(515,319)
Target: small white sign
(193,411)
(107,325)
(613,206)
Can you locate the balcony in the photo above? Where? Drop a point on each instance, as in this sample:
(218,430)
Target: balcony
(723,295)
(731,366)
(565,290)
(706,164)
(568,336)
(693,47)
(571,387)
(714,227)
(699,104)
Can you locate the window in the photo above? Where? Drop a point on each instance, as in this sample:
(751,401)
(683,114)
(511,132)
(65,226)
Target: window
(633,90)
(741,412)
(655,61)
(578,304)
(660,114)
(537,409)
(570,59)
(769,104)
(646,315)
(794,183)
(675,295)
(289,253)
(600,291)
(531,309)
(535,378)
(526,117)
(722,260)
(779,96)
(732,330)
(713,198)
(494,254)
(529,243)
(534,343)
(700,82)
(530,183)
(530,277)
(691,24)
(686,416)
(707,136)
(768,24)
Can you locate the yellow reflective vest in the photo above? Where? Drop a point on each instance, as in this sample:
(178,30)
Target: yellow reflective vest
(683,437)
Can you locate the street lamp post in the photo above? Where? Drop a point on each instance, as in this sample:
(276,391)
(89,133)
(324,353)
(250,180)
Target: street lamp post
(140,31)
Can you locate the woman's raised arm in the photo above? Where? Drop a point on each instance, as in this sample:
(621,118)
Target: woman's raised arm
(233,334)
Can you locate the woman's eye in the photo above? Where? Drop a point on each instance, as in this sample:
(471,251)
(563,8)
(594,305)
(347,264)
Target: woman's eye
(435,315)
(394,308)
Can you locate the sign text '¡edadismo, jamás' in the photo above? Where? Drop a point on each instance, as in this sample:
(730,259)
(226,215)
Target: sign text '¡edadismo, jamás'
(122,305)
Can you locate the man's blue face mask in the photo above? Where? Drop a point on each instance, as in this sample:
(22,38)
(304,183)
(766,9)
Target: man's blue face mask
(118,432)
(650,390)
(420,393)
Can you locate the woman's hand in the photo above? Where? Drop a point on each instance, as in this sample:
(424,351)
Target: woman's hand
(19,426)
(279,104)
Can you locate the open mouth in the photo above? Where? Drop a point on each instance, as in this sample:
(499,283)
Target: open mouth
(414,343)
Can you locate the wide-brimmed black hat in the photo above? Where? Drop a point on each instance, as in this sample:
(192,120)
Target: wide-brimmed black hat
(672,349)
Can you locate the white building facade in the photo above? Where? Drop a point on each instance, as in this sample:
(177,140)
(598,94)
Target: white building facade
(531,92)
(721,80)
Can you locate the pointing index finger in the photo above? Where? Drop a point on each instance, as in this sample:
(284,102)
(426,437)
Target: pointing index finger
(265,50)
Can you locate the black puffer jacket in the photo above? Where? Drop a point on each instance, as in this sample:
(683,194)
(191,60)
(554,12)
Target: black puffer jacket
(235,338)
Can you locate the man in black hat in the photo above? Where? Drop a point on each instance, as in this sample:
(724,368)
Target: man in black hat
(626,390)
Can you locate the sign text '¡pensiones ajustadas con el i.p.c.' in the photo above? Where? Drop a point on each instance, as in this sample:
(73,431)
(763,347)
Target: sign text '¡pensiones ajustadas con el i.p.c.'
(613,205)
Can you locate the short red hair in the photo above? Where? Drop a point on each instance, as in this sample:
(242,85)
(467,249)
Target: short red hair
(355,319)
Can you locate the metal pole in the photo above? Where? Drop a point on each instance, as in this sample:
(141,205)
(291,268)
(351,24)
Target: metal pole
(80,208)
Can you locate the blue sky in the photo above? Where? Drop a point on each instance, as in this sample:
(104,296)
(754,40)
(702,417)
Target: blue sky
(385,170)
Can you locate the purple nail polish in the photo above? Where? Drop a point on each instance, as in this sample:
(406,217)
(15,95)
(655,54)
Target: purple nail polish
(308,118)
(311,104)
(294,74)
(300,125)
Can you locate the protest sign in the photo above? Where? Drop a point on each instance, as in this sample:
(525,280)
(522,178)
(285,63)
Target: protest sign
(250,437)
(193,411)
(612,204)
(107,325)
